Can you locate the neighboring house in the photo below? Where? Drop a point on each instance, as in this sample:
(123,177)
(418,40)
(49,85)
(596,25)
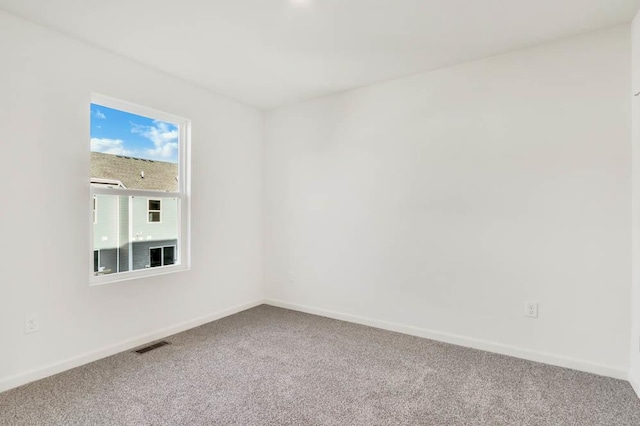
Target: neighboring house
(133,232)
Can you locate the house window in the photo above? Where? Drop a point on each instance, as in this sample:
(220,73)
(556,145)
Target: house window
(162,256)
(139,191)
(154,211)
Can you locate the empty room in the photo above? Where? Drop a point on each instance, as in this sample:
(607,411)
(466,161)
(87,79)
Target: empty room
(320,212)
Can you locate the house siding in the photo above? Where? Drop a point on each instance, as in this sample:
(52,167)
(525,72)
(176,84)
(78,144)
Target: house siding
(112,228)
(166,229)
(109,259)
(105,229)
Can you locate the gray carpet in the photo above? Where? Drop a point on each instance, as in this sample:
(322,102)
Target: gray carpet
(271,366)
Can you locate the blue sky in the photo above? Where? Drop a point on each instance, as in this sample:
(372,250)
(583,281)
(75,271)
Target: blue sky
(122,133)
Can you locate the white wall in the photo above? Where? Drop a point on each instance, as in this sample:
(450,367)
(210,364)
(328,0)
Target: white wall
(45,84)
(438,204)
(435,205)
(634,367)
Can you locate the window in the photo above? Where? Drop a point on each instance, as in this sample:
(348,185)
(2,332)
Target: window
(139,187)
(162,256)
(154,211)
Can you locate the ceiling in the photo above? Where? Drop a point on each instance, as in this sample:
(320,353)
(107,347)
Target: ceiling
(268,53)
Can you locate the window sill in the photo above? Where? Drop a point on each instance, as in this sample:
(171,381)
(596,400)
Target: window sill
(96,280)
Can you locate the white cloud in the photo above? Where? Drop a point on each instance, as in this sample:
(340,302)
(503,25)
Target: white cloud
(164,137)
(109,146)
(100,115)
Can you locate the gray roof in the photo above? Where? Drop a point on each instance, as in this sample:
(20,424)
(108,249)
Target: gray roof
(158,175)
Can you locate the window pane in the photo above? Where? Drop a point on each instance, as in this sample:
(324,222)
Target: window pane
(154,204)
(124,235)
(155,257)
(154,216)
(169,255)
(133,151)
(107,234)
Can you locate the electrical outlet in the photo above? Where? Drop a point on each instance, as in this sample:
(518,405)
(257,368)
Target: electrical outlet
(31,324)
(531,309)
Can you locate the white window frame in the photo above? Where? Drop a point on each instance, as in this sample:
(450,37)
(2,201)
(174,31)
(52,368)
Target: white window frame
(183,195)
(152,211)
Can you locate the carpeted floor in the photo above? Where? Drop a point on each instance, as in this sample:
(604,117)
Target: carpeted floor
(271,366)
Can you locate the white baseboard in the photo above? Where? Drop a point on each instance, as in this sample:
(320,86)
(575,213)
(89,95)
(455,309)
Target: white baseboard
(546,358)
(635,384)
(67,364)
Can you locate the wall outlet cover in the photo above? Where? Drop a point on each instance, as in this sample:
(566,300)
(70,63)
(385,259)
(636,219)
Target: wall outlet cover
(31,324)
(531,309)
